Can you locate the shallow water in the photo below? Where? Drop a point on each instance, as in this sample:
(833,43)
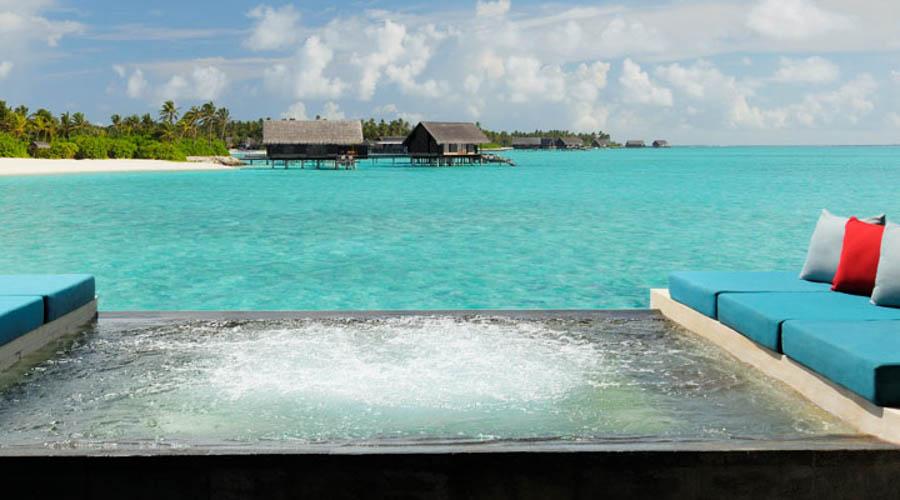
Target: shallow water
(413,379)
(591,229)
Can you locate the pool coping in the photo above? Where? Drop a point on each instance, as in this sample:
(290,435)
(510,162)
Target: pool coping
(863,415)
(374,314)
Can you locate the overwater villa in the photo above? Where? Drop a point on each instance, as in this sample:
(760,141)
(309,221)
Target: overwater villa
(660,143)
(569,142)
(600,142)
(445,143)
(635,143)
(388,145)
(527,143)
(321,142)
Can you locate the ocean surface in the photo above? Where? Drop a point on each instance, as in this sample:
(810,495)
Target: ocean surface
(592,229)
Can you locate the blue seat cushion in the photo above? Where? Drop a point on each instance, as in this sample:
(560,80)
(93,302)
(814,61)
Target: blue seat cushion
(19,315)
(700,290)
(62,293)
(863,356)
(759,316)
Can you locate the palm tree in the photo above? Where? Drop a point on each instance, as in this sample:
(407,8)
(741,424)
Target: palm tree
(208,119)
(223,116)
(65,125)
(168,113)
(188,123)
(116,121)
(17,125)
(79,122)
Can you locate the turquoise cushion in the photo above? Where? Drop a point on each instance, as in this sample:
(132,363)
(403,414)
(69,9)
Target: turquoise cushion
(759,316)
(863,356)
(63,293)
(19,315)
(700,290)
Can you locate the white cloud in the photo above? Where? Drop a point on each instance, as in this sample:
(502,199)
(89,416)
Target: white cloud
(274,28)
(331,111)
(637,87)
(388,47)
(22,20)
(893,119)
(793,19)
(847,104)
(5,68)
(492,9)
(895,76)
(304,76)
(296,111)
(205,83)
(527,79)
(136,85)
(119,70)
(810,70)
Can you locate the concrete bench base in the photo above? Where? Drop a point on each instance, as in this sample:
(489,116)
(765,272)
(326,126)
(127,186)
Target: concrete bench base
(13,351)
(878,421)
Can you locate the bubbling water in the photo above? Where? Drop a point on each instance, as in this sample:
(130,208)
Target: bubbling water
(418,378)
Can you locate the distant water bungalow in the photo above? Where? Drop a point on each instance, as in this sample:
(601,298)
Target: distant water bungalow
(635,143)
(445,143)
(36,146)
(388,145)
(660,143)
(569,142)
(331,142)
(599,142)
(527,142)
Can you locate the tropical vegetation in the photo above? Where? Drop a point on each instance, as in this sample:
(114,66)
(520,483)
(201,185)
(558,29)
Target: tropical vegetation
(171,135)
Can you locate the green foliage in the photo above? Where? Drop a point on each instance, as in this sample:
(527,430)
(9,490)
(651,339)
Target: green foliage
(491,145)
(202,147)
(153,150)
(10,147)
(374,130)
(91,148)
(58,150)
(122,148)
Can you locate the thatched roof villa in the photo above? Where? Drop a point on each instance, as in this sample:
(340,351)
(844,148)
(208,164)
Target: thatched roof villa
(527,142)
(634,143)
(660,143)
(442,139)
(313,139)
(600,142)
(569,142)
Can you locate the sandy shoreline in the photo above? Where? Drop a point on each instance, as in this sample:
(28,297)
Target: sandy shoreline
(34,166)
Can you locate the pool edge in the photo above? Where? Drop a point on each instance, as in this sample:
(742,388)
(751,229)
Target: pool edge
(878,421)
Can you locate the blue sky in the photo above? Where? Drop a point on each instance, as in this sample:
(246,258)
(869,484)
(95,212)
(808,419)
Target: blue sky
(692,71)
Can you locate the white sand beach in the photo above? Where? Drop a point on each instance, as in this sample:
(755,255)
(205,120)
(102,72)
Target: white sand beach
(33,166)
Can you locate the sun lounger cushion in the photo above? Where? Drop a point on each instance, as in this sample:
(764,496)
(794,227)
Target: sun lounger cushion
(62,293)
(700,290)
(824,252)
(887,280)
(19,315)
(759,316)
(862,356)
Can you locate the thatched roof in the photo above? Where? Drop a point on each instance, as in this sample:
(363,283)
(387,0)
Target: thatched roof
(634,143)
(600,142)
(571,141)
(526,141)
(455,132)
(39,145)
(391,139)
(660,143)
(341,132)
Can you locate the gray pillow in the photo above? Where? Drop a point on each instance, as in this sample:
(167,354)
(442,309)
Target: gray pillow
(887,280)
(824,252)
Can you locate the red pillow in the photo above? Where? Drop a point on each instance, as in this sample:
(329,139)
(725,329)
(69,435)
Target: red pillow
(859,258)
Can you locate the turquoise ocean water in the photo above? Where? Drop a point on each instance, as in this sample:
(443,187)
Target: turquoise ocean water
(592,229)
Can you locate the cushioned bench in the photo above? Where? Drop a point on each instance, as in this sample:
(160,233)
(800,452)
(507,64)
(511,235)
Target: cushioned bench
(759,316)
(62,293)
(700,290)
(19,315)
(863,356)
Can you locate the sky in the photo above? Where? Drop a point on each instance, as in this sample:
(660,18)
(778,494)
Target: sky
(690,71)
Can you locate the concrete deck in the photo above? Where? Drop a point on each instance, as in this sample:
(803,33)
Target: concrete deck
(866,417)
